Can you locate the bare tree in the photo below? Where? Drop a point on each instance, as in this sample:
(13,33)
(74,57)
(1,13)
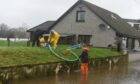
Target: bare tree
(20,32)
(11,33)
(3,30)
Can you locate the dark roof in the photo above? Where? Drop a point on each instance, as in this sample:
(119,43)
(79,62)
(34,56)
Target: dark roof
(43,27)
(112,19)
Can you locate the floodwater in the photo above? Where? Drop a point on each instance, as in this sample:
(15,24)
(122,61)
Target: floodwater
(123,73)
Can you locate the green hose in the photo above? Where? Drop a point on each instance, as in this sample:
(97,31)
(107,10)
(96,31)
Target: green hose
(58,56)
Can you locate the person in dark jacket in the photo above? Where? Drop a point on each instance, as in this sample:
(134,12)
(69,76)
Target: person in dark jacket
(84,60)
(35,40)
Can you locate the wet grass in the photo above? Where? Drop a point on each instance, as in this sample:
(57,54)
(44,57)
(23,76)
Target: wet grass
(19,54)
(12,56)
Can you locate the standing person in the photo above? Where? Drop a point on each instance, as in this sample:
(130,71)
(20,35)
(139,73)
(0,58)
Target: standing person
(8,40)
(84,60)
(35,41)
(53,38)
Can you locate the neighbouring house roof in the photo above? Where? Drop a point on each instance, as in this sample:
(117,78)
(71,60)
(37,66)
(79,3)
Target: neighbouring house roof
(43,27)
(133,20)
(110,18)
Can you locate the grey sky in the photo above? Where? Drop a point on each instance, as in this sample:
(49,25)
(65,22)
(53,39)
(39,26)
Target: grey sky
(33,12)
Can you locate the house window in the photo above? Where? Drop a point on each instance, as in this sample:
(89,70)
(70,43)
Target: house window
(84,39)
(80,16)
(102,26)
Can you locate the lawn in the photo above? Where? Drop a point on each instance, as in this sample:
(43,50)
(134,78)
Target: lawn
(19,54)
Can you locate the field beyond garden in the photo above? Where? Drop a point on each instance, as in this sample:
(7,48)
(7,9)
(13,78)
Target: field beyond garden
(19,54)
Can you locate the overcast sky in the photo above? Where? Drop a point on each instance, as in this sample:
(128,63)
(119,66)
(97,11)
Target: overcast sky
(33,12)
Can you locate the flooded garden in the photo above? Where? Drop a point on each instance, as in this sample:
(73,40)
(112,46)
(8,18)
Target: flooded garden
(33,65)
(126,71)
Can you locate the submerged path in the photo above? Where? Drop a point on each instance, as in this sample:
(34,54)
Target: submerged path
(119,74)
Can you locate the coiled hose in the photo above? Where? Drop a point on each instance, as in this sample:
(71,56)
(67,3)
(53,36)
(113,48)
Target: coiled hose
(61,57)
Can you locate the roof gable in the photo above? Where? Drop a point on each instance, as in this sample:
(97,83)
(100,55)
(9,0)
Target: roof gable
(67,12)
(112,19)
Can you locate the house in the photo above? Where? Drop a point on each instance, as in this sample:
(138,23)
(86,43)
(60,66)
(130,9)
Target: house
(86,22)
(42,28)
(135,23)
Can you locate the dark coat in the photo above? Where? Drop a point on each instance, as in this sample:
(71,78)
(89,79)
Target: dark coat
(84,57)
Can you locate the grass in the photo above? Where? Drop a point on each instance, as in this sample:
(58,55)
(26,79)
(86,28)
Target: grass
(19,54)
(13,44)
(12,56)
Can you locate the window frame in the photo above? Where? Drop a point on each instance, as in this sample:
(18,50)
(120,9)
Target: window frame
(77,13)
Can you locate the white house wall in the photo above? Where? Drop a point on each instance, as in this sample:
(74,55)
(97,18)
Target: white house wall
(136,44)
(100,38)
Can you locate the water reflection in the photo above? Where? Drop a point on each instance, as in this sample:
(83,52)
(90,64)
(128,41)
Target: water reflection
(84,79)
